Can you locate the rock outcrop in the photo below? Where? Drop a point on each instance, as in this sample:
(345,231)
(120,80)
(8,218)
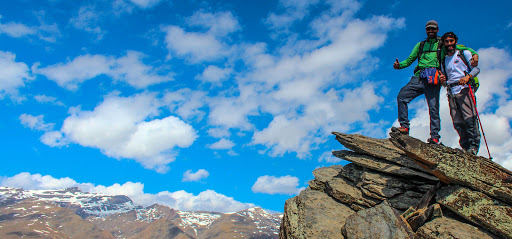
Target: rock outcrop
(402,187)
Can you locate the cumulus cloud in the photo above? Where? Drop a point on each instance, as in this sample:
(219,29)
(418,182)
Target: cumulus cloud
(128,68)
(218,24)
(208,45)
(125,127)
(189,176)
(208,200)
(186,103)
(35,122)
(222,144)
(13,75)
(214,74)
(494,102)
(277,185)
(45,32)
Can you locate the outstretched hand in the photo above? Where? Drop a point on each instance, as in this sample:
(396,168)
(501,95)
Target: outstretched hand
(396,64)
(474,60)
(442,79)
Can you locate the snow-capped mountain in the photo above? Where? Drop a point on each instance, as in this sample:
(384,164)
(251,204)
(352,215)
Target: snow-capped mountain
(58,213)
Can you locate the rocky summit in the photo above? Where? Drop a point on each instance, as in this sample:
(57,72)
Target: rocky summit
(401,187)
(71,213)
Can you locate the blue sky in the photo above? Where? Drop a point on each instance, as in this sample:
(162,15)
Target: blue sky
(221,105)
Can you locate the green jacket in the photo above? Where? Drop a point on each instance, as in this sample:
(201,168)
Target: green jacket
(428,59)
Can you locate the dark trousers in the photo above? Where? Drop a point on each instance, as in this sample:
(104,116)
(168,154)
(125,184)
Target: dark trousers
(409,92)
(465,121)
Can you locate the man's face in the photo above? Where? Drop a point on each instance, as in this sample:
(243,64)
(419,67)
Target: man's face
(450,44)
(432,32)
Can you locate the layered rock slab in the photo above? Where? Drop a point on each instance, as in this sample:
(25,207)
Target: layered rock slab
(313,215)
(457,167)
(447,228)
(478,208)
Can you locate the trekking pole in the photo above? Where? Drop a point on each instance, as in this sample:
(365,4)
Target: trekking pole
(479,121)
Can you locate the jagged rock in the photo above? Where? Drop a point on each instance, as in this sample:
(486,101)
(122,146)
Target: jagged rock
(401,192)
(378,148)
(313,214)
(455,166)
(478,208)
(405,200)
(446,228)
(395,174)
(346,191)
(381,221)
(322,175)
(380,165)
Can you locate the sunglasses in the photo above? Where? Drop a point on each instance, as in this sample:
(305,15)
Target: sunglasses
(431,28)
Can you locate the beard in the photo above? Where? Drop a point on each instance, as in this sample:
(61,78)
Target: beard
(450,48)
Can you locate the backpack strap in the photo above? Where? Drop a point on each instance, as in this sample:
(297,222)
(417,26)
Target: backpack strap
(463,58)
(420,52)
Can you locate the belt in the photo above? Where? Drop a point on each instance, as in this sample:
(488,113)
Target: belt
(453,84)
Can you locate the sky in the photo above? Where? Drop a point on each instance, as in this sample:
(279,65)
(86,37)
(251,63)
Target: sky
(222,105)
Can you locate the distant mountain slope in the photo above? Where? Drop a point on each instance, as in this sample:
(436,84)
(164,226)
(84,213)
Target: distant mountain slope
(73,213)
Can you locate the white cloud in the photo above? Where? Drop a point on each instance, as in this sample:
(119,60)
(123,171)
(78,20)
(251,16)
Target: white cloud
(13,75)
(35,122)
(45,32)
(187,103)
(71,74)
(189,176)
(54,139)
(214,74)
(222,144)
(294,10)
(277,185)
(124,127)
(87,19)
(218,24)
(16,29)
(133,71)
(48,99)
(194,46)
(129,69)
(145,3)
(208,200)
(29,181)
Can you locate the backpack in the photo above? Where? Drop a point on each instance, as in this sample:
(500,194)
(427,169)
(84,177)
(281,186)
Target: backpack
(474,82)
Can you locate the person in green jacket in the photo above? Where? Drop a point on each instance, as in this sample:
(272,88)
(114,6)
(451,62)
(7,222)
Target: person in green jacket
(428,53)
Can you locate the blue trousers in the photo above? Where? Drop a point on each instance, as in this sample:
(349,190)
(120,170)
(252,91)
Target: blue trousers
(409,92)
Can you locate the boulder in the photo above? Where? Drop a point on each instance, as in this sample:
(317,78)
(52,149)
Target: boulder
(381,221)
(313,214)
(444,227)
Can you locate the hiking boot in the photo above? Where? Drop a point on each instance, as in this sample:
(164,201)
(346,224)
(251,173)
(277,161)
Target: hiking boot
(472,151)
(401,130)
(433,141)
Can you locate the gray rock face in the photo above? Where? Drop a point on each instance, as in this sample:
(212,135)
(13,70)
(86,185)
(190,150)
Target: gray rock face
(381,221)
(364,199)
(313,214)
(444,227)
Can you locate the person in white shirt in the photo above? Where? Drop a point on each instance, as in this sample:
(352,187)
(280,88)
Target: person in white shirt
(457,74)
